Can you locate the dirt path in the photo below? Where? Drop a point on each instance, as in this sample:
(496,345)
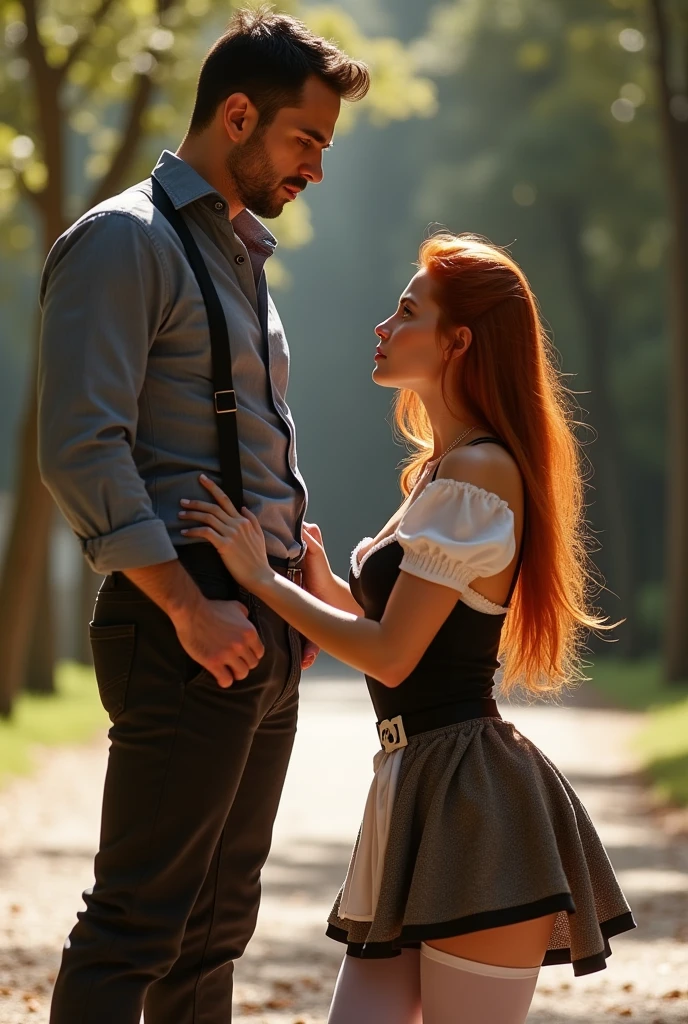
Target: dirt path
(49,825)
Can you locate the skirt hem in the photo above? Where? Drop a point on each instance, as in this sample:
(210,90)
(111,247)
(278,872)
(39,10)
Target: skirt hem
(411,936)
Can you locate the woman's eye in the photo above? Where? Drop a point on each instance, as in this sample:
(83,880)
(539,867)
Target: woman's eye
(406,310)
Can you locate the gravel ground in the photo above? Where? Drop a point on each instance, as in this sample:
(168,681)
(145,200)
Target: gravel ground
(49,827)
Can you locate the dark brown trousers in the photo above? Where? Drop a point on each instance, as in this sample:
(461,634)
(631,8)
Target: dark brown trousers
(194,779)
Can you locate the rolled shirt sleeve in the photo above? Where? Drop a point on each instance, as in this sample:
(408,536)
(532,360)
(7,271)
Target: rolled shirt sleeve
(104,294)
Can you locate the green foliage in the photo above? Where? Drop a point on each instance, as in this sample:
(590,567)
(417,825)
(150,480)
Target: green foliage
(72,715)
(664,744)
(663,740)
(102,57)
(549,142)
(636,684)
(556,105)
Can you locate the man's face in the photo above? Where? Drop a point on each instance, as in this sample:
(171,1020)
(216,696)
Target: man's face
(276,163)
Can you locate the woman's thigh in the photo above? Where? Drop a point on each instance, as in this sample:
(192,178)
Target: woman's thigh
(512,945)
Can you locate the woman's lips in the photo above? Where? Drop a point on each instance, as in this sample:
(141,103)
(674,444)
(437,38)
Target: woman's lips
(379,354)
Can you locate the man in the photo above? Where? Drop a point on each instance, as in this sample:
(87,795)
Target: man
(199,679)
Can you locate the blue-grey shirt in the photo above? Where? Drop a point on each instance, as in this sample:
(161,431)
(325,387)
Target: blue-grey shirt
(126,418)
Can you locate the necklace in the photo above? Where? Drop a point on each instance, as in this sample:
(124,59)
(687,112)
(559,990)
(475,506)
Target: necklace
(454,444)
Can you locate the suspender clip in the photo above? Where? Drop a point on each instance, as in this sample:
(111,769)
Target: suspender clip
(225,401)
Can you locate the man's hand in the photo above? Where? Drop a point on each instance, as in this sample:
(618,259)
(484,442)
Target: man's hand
(216,634)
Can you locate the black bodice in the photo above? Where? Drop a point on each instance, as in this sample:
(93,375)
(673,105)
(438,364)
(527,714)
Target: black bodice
(459,664)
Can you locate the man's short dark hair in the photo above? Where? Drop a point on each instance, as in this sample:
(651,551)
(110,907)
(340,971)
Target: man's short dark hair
(269,56)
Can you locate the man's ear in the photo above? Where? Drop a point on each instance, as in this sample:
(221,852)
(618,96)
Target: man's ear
(240,117)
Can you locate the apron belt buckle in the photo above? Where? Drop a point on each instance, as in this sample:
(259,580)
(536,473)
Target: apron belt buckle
(392,734)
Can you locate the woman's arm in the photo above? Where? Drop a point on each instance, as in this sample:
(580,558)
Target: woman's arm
(388,650)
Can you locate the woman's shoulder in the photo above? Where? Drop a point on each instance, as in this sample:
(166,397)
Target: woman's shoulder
(489,467)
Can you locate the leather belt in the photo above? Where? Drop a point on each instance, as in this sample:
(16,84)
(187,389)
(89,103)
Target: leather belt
(292,572)
(203,557)
(395,732)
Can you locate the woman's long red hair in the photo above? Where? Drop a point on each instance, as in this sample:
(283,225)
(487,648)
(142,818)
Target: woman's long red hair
(510,384)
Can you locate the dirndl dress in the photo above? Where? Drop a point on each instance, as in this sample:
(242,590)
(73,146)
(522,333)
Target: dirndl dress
(467,825)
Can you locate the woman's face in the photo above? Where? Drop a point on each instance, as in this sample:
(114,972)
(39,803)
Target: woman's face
(409,354)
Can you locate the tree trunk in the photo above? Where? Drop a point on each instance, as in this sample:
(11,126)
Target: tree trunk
(29,534)
(676,148)
(40,677)
(26,556)
(610,515)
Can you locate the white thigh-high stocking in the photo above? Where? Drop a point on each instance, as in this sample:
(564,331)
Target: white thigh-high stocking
(458,991)
(378,991)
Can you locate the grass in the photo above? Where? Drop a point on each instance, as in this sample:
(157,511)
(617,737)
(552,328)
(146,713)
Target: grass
(72,715)
(663,742)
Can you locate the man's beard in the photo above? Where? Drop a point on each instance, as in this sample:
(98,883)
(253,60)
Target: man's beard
(255,181)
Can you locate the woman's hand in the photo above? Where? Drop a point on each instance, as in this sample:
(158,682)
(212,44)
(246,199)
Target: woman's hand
(317,574)
(236,535)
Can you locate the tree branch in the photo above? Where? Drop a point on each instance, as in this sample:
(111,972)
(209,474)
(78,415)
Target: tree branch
(662,50)
(50,119)
(133,129)
(32,43)
(83,41)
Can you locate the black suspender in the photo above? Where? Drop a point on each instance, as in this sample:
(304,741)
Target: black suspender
(225,397)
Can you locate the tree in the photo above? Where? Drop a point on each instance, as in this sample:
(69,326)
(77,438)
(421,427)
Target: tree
(670,23)
(83,87)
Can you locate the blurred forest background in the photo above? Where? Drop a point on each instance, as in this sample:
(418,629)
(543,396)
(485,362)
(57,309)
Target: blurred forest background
(558,128)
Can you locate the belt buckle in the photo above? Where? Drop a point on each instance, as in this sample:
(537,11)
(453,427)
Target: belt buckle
(392,734)
(295,576)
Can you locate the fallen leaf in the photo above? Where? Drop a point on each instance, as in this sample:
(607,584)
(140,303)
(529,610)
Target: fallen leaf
(311,983)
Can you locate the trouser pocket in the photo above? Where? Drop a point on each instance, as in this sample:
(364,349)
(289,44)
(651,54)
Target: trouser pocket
(113,654)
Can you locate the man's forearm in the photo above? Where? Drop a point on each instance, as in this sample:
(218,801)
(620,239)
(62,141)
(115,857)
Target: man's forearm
(169,585)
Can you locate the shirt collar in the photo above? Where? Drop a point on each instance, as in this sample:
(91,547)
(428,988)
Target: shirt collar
(184,185)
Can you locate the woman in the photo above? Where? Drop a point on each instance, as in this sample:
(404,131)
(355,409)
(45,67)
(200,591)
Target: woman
(476,862)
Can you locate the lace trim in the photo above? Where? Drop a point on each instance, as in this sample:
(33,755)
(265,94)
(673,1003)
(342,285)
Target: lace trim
(356,563)
(480,603)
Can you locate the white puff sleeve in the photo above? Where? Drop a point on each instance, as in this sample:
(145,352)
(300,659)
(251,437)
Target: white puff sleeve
(455,532)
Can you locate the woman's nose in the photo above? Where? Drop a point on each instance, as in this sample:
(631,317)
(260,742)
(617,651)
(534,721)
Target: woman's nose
(382,331)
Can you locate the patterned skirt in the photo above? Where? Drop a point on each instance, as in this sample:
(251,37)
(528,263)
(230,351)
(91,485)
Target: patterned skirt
(470,827)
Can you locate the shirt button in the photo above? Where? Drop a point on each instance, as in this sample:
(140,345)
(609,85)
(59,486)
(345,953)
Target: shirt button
(219,206)
(239,260)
